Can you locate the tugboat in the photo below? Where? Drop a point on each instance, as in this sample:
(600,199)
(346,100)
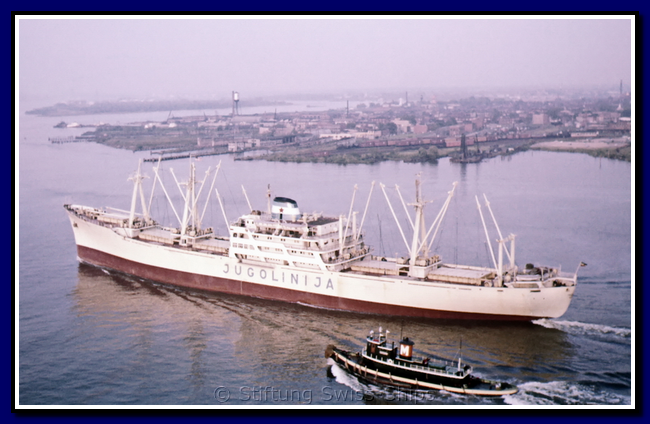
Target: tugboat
(391,365)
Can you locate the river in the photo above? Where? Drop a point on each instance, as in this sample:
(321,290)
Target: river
(87,336)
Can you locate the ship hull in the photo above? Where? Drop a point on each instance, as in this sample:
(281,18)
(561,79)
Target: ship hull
(102,246)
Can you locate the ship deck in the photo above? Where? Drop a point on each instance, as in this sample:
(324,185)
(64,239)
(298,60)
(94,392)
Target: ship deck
(375,266)
(379,267)
(461,275)
(213,244)
(444,273)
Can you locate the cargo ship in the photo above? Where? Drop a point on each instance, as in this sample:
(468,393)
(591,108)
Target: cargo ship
(387,364)
(320,261)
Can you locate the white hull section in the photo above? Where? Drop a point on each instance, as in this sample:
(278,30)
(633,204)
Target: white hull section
(350,290)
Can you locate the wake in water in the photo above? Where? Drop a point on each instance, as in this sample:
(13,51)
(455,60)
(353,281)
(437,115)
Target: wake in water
(563,393)
(573,327)
(531,393)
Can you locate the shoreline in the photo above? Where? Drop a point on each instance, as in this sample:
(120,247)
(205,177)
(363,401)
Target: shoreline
(605,147)
(243,136)
(597,148)
(608,148)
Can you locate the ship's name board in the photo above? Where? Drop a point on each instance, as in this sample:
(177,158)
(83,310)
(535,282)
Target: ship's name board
(280,276)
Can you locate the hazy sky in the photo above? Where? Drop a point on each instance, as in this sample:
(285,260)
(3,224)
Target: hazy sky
(206,58)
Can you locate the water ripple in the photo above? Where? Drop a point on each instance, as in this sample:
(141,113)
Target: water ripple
(574,327)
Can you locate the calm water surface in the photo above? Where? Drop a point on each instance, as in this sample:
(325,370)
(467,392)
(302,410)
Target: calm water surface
(88,336)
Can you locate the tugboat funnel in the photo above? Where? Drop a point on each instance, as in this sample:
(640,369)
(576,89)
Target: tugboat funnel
(406,348)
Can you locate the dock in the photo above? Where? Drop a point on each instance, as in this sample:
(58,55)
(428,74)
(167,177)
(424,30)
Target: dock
(62,140)
(181,156)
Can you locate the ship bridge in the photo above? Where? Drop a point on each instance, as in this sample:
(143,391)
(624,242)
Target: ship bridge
(315,241)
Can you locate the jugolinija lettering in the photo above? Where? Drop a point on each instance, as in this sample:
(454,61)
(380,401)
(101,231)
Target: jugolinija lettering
(294,279)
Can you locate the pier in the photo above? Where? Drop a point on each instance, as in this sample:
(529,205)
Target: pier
(182,156)
(62,140)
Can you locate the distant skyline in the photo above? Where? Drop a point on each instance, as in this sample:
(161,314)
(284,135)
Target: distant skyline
(97,58)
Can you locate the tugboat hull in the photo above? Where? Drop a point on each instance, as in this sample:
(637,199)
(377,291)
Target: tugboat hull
(354,364)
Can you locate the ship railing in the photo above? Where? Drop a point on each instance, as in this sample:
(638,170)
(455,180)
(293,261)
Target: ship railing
(318,243)
(350,256)
(331,244)
(468,267)
(449,368)
(543,280)
(519,284)
(566,278)
(438,366)
(435,363)
(528,278)
(91,215)
(338,263)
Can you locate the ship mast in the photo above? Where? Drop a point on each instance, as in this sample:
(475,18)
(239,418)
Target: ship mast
(188,197)
(156,173)
(418,225)
(214,179)
(137,187)
(358,234)
(418,250)
(498,264)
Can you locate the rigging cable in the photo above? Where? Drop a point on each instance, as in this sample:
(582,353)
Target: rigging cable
(223,171)
(381,240)
(456,245)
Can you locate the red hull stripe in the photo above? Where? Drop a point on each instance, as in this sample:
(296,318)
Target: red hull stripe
(222,285)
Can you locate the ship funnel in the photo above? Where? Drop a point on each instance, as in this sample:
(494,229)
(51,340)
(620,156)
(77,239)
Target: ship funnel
(286,209)
(406,348)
